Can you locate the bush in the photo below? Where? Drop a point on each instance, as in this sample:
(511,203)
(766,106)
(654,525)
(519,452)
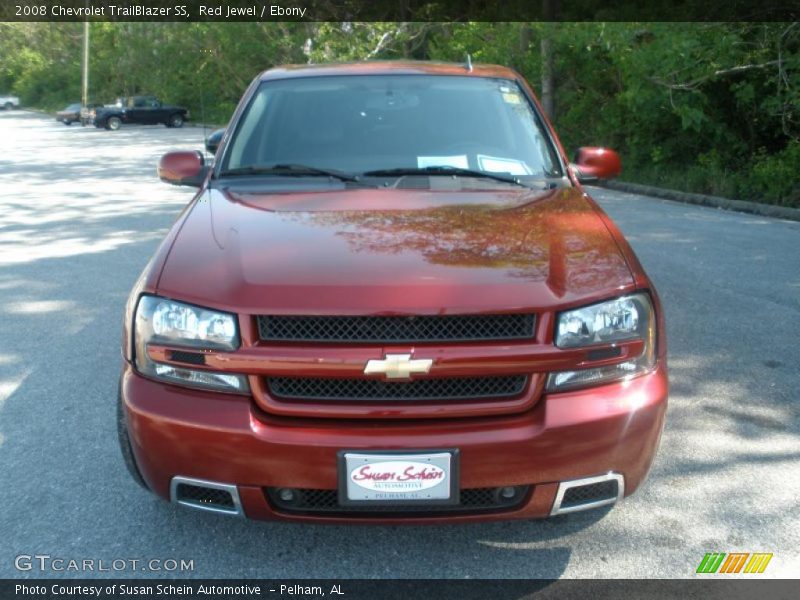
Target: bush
(776,178)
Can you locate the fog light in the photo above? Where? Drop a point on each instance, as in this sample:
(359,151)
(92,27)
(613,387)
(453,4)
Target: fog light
(287,495)
(507,493)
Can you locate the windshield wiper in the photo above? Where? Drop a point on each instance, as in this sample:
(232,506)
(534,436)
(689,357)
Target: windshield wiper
(444,170)
(289,170)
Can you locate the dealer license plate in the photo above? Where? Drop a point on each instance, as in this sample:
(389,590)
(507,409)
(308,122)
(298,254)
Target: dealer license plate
(394,478)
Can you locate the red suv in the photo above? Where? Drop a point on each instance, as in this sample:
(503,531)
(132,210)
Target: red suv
(391,300)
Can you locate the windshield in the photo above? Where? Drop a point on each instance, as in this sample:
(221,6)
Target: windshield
(357,124)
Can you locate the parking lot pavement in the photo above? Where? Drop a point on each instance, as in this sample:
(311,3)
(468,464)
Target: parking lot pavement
(81,211)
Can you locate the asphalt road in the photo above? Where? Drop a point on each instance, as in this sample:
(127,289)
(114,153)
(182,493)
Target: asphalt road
(81,212)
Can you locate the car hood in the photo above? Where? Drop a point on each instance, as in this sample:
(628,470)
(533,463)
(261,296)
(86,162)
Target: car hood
(389,250)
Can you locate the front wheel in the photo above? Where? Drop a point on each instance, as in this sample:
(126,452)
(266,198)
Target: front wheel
(175,121)
(67,122)
(8,106)
(113,123)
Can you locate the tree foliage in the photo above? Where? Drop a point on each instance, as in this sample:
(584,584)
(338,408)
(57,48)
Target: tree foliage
(707,107)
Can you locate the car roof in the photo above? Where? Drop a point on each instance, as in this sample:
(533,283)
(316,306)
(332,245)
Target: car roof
(399,67)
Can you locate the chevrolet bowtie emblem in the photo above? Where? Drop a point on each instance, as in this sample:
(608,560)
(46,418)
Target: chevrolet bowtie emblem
(398,366)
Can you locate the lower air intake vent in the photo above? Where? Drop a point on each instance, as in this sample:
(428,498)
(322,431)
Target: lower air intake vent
(474,500)
(591,492)
(576,496)
(206,495)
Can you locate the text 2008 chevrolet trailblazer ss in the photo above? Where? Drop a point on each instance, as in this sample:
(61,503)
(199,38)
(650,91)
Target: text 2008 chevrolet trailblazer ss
(391,300)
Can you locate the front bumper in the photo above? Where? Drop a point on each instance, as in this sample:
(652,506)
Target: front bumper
(176,431)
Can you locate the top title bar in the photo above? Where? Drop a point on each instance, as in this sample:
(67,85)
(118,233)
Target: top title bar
(403,10)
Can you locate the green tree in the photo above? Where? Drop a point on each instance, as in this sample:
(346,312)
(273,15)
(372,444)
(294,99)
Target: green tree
(708,107)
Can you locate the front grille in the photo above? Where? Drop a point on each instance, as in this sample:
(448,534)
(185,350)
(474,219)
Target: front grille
(594,492)
(451,388)
(314,501)
(204,496)
(403,329)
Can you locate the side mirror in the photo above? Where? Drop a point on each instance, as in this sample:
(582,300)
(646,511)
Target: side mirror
(213,140)
(182,168)
(593,163)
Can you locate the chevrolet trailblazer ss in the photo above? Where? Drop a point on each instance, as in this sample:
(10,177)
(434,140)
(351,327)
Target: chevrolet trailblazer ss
(391,300)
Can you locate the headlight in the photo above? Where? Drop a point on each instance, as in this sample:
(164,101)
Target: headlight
(613,321)
(168,323)
(622,319)
(174,322)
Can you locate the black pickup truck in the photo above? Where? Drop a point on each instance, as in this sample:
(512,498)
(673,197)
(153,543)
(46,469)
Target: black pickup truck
(142,110)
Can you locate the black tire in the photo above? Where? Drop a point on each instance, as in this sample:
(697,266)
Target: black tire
(113,123)
(125,444)
(175,120)
(8,106)
(67,122)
